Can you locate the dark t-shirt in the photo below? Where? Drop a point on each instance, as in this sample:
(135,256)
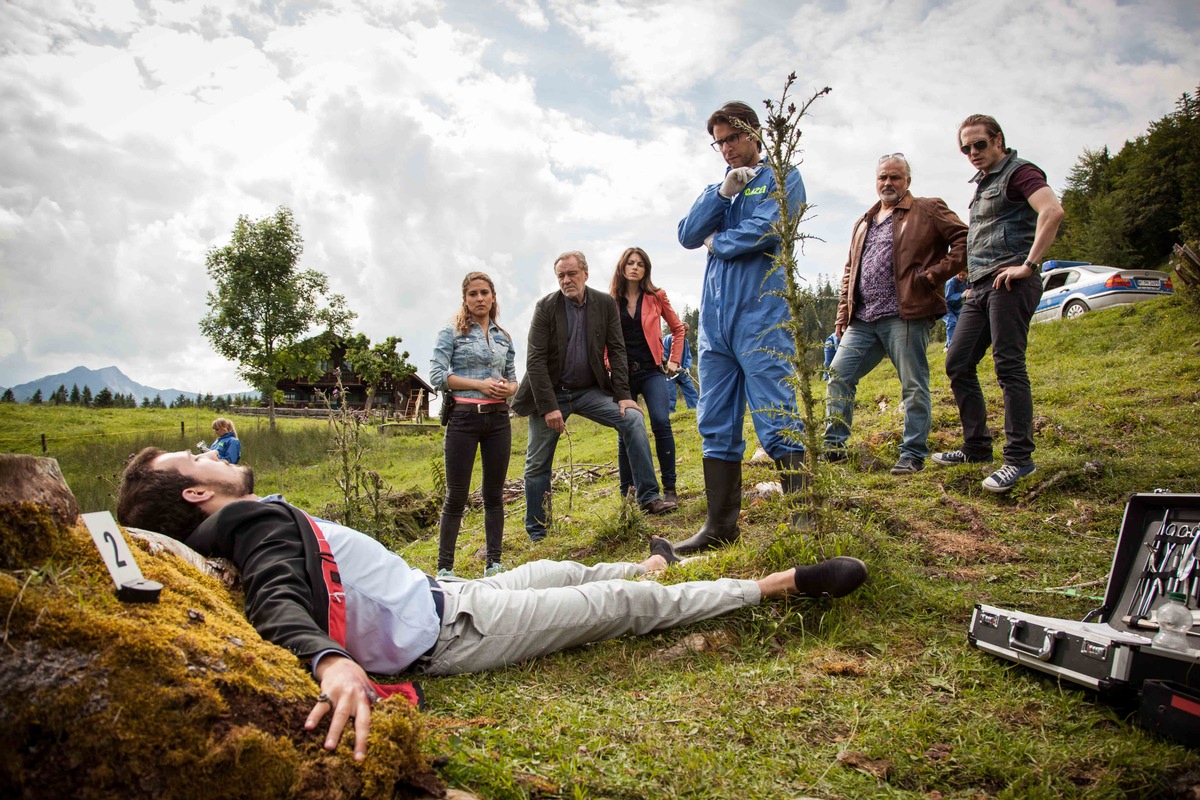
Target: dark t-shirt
(1026,180)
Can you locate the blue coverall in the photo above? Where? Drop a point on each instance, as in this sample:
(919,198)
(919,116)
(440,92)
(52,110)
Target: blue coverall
(738,320)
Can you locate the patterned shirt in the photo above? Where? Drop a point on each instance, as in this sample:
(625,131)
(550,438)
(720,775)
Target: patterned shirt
(876,291)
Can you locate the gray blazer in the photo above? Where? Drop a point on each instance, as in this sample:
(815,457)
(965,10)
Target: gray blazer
(548,343)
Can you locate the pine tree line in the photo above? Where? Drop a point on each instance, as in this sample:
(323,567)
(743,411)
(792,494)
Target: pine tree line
(106,398)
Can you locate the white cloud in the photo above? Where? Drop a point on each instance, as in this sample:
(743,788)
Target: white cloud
(529,12)
(413,149)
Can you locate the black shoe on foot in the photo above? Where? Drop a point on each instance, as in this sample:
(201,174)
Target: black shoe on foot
(669,495)
(836,577)
(660,506)
(661,547)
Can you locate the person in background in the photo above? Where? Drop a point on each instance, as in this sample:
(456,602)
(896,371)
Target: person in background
(957,290)
(227,446)
(831,345)
(643,308)
(682,378)
(474,359)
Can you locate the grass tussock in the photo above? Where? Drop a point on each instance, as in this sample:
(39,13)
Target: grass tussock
(876,695)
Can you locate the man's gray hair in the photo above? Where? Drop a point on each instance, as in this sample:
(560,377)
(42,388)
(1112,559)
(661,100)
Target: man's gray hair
(896,157)
(580,257)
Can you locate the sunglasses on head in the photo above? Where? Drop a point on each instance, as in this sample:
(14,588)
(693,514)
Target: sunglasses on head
(979,146)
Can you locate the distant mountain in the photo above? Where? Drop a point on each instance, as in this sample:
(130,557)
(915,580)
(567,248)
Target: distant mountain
(111,378)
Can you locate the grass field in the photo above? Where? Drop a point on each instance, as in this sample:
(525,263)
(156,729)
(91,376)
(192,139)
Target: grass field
(877,695)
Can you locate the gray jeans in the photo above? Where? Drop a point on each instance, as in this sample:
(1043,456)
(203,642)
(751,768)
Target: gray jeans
(546,606)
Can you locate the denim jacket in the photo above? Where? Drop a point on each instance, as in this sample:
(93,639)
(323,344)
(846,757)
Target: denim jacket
(472,355)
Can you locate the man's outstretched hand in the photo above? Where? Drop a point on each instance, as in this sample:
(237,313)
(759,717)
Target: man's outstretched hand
(347,692)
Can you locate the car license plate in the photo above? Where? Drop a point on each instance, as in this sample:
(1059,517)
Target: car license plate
(1147,283)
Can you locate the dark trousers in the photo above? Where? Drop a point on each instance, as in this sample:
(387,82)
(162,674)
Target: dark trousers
(491,434)
(653,385)
(999,319)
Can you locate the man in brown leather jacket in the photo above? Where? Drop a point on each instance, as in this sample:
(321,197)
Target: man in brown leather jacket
(902,252)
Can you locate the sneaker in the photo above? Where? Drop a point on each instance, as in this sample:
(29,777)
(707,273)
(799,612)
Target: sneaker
(494,568)
(1006,477)
(957,457)
(446,573)
(907,465)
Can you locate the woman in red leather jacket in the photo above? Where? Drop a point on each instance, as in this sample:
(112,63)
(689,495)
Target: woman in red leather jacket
(643,309)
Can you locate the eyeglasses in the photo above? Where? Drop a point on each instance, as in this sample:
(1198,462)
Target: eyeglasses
(732,138)
(892,157)
(979,146)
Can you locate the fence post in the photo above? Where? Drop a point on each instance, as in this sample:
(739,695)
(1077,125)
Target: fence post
(43,442)
(182,432)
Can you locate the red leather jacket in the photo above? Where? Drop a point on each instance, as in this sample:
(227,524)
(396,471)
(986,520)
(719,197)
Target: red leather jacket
(655,308)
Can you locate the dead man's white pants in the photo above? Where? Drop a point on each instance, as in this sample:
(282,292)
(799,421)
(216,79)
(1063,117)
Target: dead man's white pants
(546,606)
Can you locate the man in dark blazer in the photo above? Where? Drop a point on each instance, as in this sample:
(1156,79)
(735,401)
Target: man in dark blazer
(565,374)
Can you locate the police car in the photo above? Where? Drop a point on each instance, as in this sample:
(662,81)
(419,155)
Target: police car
(1072,288)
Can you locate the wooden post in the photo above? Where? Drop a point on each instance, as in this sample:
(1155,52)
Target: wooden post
(182,432)
(43,442)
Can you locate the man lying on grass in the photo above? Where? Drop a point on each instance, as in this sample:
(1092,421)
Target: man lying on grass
(342,602)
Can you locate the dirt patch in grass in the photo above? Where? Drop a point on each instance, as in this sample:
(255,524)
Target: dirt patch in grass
(975,545)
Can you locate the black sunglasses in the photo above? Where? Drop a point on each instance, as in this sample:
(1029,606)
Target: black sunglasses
(979,146)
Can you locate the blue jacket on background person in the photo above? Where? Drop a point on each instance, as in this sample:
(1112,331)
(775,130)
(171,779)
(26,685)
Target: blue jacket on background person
(228,447)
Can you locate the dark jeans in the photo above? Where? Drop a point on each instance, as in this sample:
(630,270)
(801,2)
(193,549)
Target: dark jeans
(491,434)
(658,391)
(996,318)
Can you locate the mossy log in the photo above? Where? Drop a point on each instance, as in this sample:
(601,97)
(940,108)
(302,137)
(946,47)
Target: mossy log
(175,699)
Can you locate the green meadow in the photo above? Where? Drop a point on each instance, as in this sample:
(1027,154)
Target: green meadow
(875,695)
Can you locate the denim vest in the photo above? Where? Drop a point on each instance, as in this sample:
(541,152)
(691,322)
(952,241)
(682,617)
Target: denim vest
(1001,231)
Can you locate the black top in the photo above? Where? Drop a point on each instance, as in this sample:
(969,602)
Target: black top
(636,349)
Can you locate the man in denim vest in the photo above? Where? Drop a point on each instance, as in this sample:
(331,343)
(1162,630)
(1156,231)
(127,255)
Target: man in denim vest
(1014,218)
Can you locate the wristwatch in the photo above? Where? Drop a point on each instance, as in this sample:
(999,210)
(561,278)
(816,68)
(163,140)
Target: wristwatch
(1032,266)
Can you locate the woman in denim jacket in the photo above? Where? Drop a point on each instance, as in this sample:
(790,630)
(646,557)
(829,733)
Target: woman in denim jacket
(475,360)
(643,308)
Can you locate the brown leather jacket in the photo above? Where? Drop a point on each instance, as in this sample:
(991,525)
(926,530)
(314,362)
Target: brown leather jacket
(929,245)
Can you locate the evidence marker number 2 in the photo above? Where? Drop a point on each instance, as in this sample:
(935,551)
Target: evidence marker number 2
(114,550)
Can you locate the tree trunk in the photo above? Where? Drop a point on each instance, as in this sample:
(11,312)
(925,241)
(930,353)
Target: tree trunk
(35,505)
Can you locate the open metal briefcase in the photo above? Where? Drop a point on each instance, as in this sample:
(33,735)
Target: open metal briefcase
(1110,651)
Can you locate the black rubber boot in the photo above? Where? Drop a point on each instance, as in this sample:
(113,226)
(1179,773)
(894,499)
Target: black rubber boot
(723,488)
(793,477)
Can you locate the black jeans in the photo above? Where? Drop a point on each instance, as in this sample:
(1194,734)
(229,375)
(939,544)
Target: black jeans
(466,432)
(996,318)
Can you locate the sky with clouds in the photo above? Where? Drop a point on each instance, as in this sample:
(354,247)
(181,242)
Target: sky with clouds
(418,140)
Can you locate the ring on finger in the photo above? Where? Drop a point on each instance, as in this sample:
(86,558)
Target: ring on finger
(324,698)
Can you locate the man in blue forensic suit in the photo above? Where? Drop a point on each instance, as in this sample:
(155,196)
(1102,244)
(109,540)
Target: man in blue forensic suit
(740,334)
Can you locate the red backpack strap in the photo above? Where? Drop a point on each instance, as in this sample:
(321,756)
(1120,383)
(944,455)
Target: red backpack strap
(337,618)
